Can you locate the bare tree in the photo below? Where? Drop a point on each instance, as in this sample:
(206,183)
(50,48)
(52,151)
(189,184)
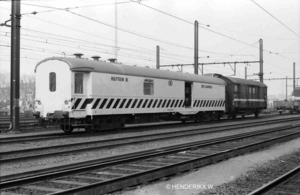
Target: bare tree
(4,79)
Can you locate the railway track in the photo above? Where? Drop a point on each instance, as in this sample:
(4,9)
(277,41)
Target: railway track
(117,172)
(50,151)
(286,184)
(52,136)
(25,124)
(29,125)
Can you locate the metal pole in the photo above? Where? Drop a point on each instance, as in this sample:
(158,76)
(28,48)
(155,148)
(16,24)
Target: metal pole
(157,57)
(196,49)
(12,67)
(286,89)
(294,79)
(116,30)
(234,69)
(261,70)
(16,21)
(246,72)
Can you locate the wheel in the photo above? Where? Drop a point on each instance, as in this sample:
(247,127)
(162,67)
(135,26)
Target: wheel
(233,116)
(94,126)
(89,129)
(198,118)
(121,126)
(67,128)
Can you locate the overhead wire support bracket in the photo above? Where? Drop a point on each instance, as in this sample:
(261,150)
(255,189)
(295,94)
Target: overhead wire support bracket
(4,24)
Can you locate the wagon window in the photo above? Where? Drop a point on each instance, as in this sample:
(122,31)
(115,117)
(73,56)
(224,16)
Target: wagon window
(52,81)
(148,87)
(79,83)
(236,88)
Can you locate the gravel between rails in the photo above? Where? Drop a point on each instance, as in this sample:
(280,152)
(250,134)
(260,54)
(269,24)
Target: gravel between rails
(256,178)
(70,158)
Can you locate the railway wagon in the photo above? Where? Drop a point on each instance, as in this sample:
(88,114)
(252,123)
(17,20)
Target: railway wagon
(243,97)
(93,94)
(291,106)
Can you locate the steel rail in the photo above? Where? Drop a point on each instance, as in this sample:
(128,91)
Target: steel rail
(44,137)
(276,182)
(39,175)
(110,143)
(150,175)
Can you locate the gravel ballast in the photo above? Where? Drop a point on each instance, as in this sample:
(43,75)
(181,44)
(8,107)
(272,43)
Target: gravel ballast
(258,177)
(70,158)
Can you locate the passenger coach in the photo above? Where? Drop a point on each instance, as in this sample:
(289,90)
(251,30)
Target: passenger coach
(94,94)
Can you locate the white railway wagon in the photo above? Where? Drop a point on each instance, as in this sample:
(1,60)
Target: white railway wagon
(93,94)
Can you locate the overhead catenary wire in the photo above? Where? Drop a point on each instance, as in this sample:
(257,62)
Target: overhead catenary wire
(275,18)
(81,41)
(107,52)
(99,50)
(144,36)
(131,32)
(264,50)
(68,8)
(224,54)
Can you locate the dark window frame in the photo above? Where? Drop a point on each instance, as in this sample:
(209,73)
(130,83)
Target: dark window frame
(52,81)
(78,84)
(148,87)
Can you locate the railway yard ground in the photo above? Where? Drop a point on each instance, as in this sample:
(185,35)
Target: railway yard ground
(226,176)
(230,176)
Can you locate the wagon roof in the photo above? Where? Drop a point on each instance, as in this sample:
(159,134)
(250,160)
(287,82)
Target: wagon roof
(238,80)
(84,65)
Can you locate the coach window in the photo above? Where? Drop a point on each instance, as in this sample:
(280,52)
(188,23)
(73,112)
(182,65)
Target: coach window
(236,88)
(148,87)
(79,83)
(52,81)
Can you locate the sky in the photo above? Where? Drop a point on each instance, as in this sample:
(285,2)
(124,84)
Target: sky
(228,31)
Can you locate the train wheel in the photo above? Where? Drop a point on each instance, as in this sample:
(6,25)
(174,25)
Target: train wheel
(233,116)
(94,126)
(121,126)
(90,129)
(67,128)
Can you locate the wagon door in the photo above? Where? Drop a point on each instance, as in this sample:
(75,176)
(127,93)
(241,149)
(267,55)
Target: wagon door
(188,95)
(255,97)
(243,96)
(250,97)
(79,94)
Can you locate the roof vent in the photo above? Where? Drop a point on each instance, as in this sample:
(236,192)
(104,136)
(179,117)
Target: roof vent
(78,55)
(112,60)
(96,58)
